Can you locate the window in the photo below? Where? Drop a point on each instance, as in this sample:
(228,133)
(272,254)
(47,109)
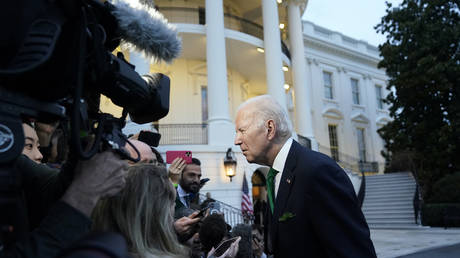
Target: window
(361,144)
(201,15)
(378,94)
(355,91)
(327,77)
(333,142)
(204,104)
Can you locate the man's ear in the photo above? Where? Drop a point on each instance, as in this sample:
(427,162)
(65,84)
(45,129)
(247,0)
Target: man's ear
(271,129)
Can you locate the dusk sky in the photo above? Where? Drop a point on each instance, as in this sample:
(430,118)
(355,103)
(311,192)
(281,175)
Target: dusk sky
(353,18)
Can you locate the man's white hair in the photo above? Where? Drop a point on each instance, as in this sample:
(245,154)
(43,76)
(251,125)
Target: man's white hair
(265,108)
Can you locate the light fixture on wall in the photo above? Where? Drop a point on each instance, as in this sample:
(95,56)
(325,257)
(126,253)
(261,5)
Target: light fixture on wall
(261,50)
(285,68)
(282,25)
(230,164)
(286,86)
(279,1)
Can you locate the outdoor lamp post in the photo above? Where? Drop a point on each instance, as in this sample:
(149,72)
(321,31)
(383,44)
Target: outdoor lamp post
(230,164)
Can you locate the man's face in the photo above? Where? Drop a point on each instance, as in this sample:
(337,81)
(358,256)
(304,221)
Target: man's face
(251,138)
(190,180)
(31,147)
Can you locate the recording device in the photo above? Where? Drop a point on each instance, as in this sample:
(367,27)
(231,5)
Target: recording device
(224,245)
(172,155)
(56,62)
(62,50)
(214,207)
(150,138)
(202,212)
(203,181)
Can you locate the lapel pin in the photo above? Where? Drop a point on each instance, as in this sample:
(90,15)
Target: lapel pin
(288,181)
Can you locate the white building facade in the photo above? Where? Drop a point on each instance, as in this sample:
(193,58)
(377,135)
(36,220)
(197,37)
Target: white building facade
(347,97)
(237,49)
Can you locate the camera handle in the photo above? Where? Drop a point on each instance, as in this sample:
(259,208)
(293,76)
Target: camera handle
(109,128)
(113,138)
(77,111)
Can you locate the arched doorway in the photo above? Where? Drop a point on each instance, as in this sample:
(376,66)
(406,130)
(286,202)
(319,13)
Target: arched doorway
(259,196)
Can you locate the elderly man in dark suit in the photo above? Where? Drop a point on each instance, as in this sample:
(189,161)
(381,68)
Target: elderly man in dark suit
(313,210)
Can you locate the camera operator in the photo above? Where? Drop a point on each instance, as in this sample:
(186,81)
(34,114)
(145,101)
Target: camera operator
(67,218)
(45,133)
(32,145)
(146,154)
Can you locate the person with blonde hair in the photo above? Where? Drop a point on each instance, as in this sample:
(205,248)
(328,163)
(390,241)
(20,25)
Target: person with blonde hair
(143,213)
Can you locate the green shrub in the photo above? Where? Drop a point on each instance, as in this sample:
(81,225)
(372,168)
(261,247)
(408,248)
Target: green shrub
(441,214)
(446,190)
(400,161)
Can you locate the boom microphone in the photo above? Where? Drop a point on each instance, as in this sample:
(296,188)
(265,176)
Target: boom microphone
(145,30)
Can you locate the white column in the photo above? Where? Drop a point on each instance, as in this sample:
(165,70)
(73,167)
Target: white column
(220,127)
(368,91)
(299,72)
(347,110)
(141,63)
(272,44)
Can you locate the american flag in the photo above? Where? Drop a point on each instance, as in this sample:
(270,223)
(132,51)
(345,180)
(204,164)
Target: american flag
(246,203)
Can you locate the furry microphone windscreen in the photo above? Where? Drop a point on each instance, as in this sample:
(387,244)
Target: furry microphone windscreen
(145,30)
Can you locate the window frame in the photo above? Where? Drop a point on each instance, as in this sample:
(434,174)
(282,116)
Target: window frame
(328,89)
(379,96)
(361,141)
(204,103)
(333,141)
(355,93)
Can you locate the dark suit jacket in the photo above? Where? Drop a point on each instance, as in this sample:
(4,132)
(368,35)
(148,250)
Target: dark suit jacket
(326,219)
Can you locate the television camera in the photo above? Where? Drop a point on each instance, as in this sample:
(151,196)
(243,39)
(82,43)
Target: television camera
(56,62)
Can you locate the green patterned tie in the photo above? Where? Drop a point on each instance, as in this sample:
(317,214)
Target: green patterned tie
(271,188)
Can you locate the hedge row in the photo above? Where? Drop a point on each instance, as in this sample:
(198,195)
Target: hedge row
(446,190)
(441,214)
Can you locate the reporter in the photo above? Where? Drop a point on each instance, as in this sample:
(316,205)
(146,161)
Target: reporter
(31,143)
(175,170)
(45,132)
(245,246)
(213,230)
(56,220)
(142,213)
(184,225)
(231,252)
(101,176)
(145,152)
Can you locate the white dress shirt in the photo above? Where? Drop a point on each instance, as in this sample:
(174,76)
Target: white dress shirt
(182,194)
(279,162)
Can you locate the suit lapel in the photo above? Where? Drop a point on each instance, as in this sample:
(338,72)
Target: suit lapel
(285,186)
(179,203)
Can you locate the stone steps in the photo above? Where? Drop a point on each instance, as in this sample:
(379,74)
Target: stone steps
(387,193)
(388,201)
(387,212)
(389,198)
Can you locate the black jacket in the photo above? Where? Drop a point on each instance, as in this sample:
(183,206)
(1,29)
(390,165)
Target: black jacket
(51,224)
(316,211)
